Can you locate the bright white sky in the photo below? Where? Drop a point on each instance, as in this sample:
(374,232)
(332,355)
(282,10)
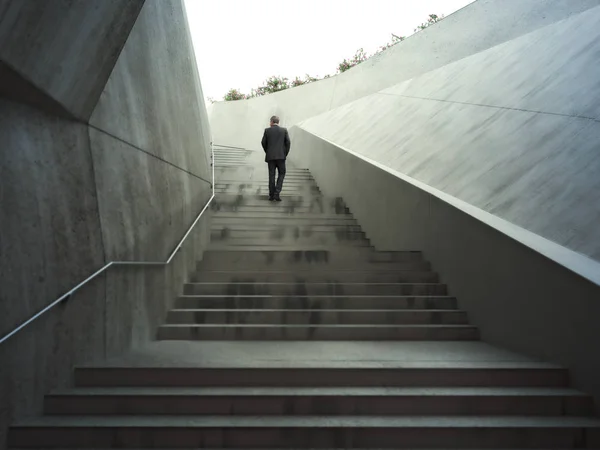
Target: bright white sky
(240,43)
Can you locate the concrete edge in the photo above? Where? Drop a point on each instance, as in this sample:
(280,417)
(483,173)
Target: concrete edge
(577,263)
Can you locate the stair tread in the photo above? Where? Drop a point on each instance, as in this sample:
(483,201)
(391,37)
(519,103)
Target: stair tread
(307,283)
(321,391)
(267,325)
(308,310)
(312,421)
(312,296)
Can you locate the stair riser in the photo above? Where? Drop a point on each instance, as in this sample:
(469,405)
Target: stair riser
(282,216)
(277,242)
(304,198)
(264,181)
(257,190)
(352,256)
(301,267)
(277,333)
(318,377)
(210,264)
(366,303)
(287,237)
(317,317)
(242,230)
(316,277)
(301,437)
(288,178)
(279,207)
(305,289)
(281,221)
(447,405)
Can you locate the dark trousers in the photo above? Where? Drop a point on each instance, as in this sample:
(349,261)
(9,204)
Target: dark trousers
(275,188)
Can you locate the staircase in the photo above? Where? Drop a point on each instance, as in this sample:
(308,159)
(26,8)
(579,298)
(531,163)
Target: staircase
(295,333)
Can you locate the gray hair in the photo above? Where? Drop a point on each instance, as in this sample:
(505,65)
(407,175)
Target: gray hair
(274,119)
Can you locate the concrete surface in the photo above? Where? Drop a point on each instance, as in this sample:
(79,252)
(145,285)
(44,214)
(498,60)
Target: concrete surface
(150,105)
(354,354)
(65,50)
(73,196)
(473,29)
(520,299)
(512,130)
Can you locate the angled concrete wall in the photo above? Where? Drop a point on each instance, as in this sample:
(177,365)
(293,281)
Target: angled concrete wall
(475,28)
(501,274)
(513,130)
(74,196)
(62,51)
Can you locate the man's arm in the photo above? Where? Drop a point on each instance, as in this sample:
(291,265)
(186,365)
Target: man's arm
(264,141)
(287,142)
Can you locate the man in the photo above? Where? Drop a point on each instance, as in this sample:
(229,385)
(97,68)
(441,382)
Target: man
(276,143)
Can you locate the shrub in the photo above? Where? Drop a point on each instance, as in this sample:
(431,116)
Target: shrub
(358,57)
(433,18)
(234,94)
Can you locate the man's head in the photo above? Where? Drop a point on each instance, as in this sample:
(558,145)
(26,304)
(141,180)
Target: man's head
(274,120)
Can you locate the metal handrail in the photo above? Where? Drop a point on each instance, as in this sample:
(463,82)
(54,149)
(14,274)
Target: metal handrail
(68,294)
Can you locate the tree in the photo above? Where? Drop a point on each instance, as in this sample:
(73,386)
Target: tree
(276,84)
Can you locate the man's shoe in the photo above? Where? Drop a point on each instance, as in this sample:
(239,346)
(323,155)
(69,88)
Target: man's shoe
(278,198)
(271,199)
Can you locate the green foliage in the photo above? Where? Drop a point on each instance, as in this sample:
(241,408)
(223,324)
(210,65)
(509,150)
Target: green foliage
(276,84)
(394,41)
(299,82)
(433,18)
(358,57)
(233,95)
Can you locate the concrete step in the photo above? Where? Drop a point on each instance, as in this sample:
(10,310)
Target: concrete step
(447,374)
(251,247)
(249,244)
(261,206)
(310,289)
(342,276)
(304,266)
(316,317)
(322,240)
(302,303)
(254,187)
(291,229)
(320,401)
(342,257)
(282,221)
(318,332)
(136,431)
(263,177)
(339,233)
(281,215)
(303,198)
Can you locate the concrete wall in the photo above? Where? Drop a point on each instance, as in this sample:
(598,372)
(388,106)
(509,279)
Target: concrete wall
(520,299)
(513,130)
(64,49)
(475,28)
(74,196)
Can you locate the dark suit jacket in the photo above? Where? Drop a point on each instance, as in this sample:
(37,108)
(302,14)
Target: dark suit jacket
(276,143)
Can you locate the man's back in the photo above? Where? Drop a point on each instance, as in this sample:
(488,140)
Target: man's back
(276,143)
